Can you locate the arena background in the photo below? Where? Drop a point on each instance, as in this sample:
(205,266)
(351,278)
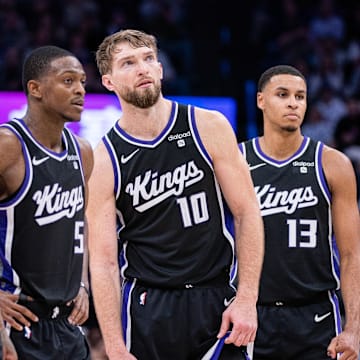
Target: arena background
(212,52)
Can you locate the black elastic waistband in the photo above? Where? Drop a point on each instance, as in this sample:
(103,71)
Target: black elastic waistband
(219,281)
(319,298)
(46,311)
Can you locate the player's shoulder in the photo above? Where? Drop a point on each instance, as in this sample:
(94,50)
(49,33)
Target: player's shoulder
(334,157)
(87,153)
(11,149)
(209,114)
(212,122)
(9,141)
(337,166)
(83,143)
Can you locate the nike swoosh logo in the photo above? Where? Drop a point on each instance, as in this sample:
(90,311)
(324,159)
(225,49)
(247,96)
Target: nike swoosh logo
(228,302)
(256,166)
(318,318)
(124,159)
(37,162)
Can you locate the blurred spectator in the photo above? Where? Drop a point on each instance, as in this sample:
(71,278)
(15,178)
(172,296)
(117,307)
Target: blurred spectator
(332,108)
(327,22)
(119,20)
(79,25)
(93,81)
(352,88)
(77,45)
(10,68)
(347,131)
(347,136)
(290,26)
(353,152)
(12,26)
(315,126)
(233,46)
(260,32)
(327,71)
(166,19)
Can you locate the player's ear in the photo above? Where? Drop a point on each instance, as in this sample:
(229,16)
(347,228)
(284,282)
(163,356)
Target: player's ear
(106,81)
(260,100)
(34,88)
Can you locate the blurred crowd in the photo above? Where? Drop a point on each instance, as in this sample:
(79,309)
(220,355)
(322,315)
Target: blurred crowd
(210,48)
(80,26)
(207,47)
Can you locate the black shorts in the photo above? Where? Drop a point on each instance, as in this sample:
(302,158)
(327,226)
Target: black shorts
(300,332)
(51,338)
(176,324)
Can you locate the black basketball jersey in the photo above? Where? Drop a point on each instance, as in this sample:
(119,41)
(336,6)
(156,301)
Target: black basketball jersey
(295,205)
(42,224)
(172,228)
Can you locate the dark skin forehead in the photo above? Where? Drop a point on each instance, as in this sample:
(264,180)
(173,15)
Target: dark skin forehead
(65,64)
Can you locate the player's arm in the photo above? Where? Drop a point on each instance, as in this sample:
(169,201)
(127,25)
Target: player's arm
(87,156)
(12,165)
(8,348)
(80,312)
(341,178)
(103,254)
(233,175)
(12,172)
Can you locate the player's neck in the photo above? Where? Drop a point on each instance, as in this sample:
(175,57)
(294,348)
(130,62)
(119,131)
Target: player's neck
(146,124)
(280,147)
(47,133)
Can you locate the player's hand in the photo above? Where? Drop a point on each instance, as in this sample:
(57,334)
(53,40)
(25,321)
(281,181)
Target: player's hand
(346,344)
(14,314)
(80,311)
(240,318)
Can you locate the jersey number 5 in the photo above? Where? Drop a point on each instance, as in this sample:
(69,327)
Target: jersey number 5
(79,237)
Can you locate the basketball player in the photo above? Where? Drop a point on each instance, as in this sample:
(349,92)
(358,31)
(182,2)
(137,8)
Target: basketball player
(44,170)
(162,177)
(307,196)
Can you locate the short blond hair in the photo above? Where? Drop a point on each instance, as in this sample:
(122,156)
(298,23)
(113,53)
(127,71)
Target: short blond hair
(106,50)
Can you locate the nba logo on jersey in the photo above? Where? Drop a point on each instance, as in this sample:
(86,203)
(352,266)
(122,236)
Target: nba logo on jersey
(27,332)
(303,170)
(55,312)
(142,298)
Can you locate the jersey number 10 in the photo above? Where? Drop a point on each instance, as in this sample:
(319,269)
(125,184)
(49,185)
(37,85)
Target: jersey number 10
(193,209)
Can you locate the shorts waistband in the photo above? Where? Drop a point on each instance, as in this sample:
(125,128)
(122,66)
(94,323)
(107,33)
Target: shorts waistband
(48,311)
(219,281)
(297,302)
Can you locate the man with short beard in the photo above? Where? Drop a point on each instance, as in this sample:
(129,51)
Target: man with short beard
(161,178)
